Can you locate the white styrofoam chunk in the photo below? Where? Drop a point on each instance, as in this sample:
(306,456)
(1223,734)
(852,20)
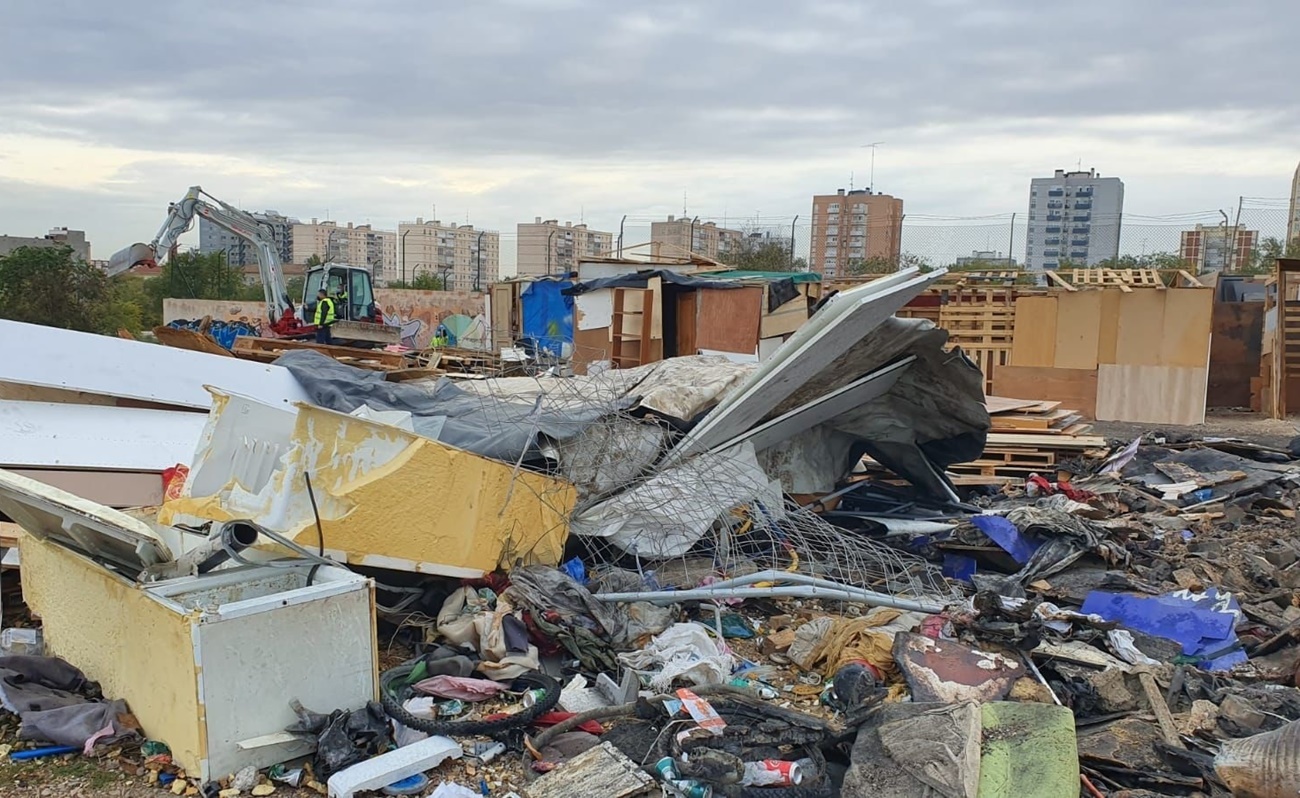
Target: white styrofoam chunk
(393,766)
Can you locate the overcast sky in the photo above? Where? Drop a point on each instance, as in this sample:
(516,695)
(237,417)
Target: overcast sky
(497,111)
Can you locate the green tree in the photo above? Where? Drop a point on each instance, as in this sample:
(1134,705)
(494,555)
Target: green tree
(1263,258)
(768,256)
(195,275)
(881,264)
(50,286)
(421,282)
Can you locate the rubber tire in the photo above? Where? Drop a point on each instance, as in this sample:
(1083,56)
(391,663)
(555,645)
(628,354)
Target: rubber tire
(393,707)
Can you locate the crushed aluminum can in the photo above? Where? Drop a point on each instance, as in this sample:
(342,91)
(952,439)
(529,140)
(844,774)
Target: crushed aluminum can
(772,773)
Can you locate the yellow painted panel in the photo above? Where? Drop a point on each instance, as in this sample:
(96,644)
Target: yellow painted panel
(389,498)
(136,648)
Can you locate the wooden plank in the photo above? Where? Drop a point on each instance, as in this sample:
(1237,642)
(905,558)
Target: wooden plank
(1236,344)
(1002,404)
(365,358)
(728,319)
(1141,326)
(1044,421)
(600,771)
(1108,328)
(1078,323)
(1188,320)
(1151,394)
(1000,439)
(1034,336)
(1053,277)
(1073,388)
(189,339)
(786,318)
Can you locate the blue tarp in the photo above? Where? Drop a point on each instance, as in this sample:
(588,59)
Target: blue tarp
(548,314)
(1203,623)
(1007,536)
(223,332)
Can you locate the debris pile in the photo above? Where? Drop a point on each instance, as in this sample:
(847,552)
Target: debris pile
(693,577)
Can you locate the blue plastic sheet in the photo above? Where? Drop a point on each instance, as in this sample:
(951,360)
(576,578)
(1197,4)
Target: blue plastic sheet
(548,315)
(1203,623)
(1007,536)
(958,566)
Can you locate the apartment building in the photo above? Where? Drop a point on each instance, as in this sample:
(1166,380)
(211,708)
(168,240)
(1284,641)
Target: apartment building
(1221,248)
(240,252)
(702,238)
(1074,219)
(466,258)
(854,226)
(547,247)
(57,237)
(1293,216)
(356,245)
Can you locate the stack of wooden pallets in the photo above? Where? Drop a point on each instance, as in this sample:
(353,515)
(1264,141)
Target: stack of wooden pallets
(1029,437)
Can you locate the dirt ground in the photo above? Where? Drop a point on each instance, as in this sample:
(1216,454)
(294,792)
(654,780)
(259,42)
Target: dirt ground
(1218,423)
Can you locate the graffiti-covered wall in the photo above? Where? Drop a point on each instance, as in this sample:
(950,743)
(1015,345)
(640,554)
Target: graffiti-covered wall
(418,313)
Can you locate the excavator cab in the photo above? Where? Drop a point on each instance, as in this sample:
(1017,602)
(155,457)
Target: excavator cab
(339,281)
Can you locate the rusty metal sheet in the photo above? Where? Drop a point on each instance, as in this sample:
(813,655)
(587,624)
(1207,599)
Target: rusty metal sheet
(951,672)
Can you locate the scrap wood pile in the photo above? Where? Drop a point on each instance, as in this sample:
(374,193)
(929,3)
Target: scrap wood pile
(1030,437)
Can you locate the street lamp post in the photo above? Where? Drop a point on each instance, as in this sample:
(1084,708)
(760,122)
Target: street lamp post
(796,218)
(548,252)
(478,265)
(405,233)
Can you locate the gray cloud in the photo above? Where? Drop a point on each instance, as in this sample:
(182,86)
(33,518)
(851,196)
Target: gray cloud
(659,97)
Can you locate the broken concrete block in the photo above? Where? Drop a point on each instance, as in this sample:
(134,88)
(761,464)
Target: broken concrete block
(1241,712)
(1187,579)
(1114,691)
(1031,691)
(776,642)
(1281,557)
(1202,717)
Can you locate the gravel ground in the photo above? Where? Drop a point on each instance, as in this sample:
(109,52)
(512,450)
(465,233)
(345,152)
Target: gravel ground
(1218,423)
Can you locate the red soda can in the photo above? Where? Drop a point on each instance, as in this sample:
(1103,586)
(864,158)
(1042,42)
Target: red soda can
(772,773)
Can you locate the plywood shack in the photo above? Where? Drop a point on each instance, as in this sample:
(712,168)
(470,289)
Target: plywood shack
(1132,351)
(1280,343)
(651,316)
(1237,343)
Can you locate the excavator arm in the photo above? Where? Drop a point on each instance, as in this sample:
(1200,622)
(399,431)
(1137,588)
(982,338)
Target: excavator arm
(180,218)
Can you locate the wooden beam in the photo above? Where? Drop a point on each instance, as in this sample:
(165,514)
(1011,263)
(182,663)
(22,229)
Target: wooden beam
(1059,280)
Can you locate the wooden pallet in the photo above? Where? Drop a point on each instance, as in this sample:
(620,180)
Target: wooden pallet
(266,350)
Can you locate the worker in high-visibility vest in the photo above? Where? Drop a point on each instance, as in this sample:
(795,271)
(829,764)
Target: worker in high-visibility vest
(324,316)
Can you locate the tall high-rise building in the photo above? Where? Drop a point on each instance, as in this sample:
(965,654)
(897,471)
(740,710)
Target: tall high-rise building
(355,245)
(854,226)
(547,247)
(1293,217)
(701,238)
(1223,248)
(1074,219)
(466,259)
(238,251)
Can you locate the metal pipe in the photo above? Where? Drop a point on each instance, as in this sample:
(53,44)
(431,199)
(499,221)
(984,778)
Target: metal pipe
(620,235)
(796,218)
(772,575)
(405,233)
(791,591)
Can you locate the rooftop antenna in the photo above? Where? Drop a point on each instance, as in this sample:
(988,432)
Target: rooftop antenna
(850,180)
(683,202)
(872,180)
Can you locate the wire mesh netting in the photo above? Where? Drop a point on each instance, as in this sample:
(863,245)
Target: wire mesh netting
(713,515)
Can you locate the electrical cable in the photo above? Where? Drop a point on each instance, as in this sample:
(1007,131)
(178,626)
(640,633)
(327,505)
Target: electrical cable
(320,532)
